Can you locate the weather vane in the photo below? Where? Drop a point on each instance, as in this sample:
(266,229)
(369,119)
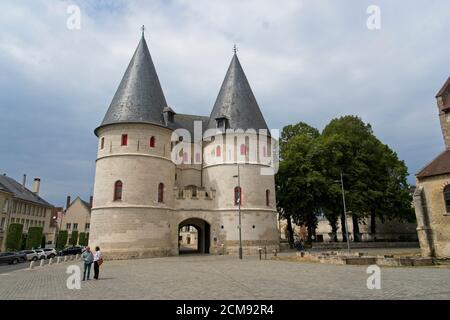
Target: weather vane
(235,49)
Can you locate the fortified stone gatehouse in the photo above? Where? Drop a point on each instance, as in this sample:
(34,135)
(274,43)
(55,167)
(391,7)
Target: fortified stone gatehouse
(432,196)
(156,173)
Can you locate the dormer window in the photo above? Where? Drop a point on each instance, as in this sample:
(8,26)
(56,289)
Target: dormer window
(168,115)
(222,123)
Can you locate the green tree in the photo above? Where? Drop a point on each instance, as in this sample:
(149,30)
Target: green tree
(74,238)
(61,239)
(299,185)
(82,239)
(43,241)
(14,237)
(34,237)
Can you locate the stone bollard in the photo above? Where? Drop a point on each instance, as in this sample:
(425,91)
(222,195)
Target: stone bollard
(50,261)
(32,265)
(65,258)
(265,253)
(274,252)
(58,260)
(260,253)
(42,263)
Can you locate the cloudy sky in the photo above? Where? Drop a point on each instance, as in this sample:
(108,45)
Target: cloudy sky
(306,61)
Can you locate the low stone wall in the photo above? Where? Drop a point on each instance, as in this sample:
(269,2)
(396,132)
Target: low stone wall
(362,245)
(361,259)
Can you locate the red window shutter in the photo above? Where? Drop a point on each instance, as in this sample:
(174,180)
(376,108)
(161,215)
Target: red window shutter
(218,151)
(243,149)
(124,139)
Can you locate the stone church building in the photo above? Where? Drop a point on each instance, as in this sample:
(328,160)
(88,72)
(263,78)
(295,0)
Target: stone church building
(432,196)
(158,171)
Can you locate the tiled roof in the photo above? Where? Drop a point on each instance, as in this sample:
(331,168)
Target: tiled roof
(20,192)
(440,165)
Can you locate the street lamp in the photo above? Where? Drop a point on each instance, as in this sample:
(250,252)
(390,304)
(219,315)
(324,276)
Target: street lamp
(345,211)
(239,204)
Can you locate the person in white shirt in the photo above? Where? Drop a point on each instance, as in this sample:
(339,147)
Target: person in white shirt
(98,260)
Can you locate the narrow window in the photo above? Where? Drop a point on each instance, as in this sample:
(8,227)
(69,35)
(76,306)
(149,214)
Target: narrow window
(243,149)
(268,198)
(447,198)
(218,151)
(118,190)
(197,158)
(161,192)
(124,139)
(152,142)
(237,196)
(102,143)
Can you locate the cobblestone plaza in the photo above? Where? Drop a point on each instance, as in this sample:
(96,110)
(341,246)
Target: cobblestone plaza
(225,277)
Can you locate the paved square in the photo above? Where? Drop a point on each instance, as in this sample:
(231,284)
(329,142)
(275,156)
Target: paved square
(225,277)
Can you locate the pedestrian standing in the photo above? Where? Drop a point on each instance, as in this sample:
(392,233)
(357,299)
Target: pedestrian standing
(88,258)
(98,260)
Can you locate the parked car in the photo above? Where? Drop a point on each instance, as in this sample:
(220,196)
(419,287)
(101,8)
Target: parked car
(12,257)
(41,254)
(31,255)
(50,253)
(70,251)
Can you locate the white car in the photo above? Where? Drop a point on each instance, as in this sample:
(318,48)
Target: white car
(31,255)
(50,253)
(41,254)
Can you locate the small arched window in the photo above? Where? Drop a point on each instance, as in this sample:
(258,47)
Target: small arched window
(102,143)
(447,198)
(118,190)
(237,196)
(152,142)
(268,197)
(161,192)
(218,151)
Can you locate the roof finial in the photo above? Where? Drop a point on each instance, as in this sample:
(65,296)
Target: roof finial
(143,29)
(235,48)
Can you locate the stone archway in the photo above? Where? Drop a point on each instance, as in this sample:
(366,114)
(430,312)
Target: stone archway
(203,229)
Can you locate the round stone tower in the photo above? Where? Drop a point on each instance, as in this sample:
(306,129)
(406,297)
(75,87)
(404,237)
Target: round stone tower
(134,176)
(238,159)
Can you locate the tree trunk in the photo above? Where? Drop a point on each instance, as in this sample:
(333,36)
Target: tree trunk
(290,232)
(355,228)
(334,228)
(343,228)
(373,226)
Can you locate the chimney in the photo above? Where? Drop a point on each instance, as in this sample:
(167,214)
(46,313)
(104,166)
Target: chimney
(36,186)
(24,180)
(67,202)
(91,200)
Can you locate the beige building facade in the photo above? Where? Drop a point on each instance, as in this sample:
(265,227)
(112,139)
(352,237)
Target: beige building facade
(76,217)
(432,196)
(20,205)
(158,172)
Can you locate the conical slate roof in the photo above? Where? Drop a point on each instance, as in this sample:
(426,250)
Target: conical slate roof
(139,97)
(236,101)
